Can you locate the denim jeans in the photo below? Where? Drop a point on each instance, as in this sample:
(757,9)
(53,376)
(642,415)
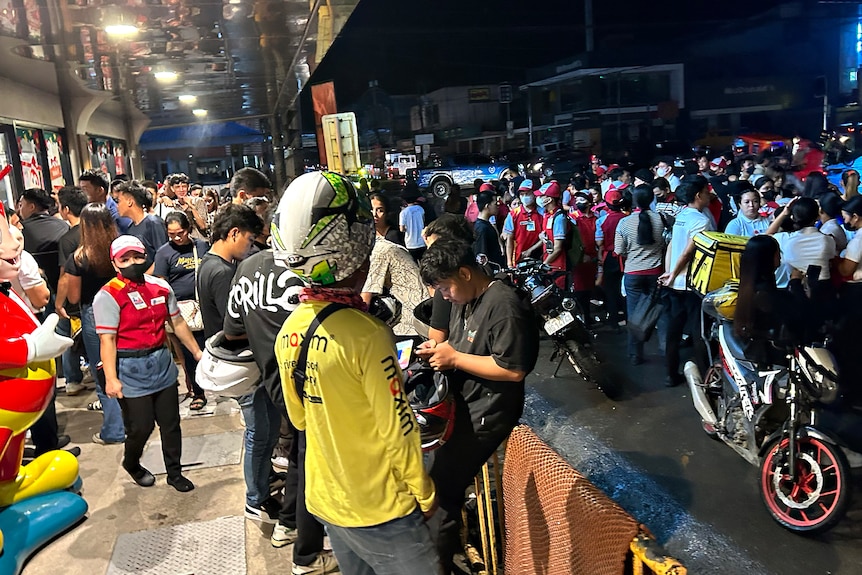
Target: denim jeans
(262,423)
(71,361)
(639,287)
(113,429)
(399,547)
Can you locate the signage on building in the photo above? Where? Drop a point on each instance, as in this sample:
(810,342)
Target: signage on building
(505,93)
(479,94)
(423,139)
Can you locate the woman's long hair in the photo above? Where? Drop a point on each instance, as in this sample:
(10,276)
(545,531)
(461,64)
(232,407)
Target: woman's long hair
(756,274)
(643,197)
(98,230)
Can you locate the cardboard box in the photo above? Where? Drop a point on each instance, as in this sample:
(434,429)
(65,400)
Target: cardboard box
(716,260)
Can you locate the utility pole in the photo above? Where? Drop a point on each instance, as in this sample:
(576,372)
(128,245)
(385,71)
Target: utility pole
(588,20)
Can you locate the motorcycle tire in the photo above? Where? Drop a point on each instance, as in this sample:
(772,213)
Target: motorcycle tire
(588,366)
(820,496)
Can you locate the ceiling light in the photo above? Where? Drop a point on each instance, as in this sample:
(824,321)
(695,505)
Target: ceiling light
(121,29)
(187,98)
(165,75)
(199,112)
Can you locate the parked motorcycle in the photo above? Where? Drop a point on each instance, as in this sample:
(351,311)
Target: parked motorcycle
(770,415)
(563,320)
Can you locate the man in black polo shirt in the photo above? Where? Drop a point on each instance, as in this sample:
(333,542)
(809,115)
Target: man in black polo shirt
(132,197)
(42,233)
(493,344)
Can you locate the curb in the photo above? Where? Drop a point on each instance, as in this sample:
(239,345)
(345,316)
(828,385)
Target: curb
(696,544)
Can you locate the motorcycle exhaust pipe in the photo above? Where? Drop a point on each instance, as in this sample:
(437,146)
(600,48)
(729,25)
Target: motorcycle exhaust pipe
(698,396)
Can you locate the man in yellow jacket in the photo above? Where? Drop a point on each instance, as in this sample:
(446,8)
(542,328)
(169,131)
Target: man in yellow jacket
(364,474)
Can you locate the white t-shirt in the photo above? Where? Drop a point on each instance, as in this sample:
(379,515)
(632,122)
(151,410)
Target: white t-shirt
(803,248)
(854,254)
(742,226)
(28,277)
(413,219)
(689,222)
(838,233)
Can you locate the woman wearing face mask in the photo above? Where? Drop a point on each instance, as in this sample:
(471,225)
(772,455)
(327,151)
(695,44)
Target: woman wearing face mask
(584,273)
(554,228)
(130,312)
(87,270)
(766,187)
(522,227)
(748,222)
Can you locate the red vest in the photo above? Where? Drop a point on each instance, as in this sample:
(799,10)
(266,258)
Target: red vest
(528,226)
(560,261)
(587,230)
(143,311)
(609,229)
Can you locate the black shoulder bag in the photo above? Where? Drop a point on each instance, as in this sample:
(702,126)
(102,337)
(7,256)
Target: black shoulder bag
(299,375)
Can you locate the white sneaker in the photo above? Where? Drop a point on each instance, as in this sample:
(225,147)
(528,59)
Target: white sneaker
(88,375)
(325,563)
(75,388)
(280,463)
(282,535)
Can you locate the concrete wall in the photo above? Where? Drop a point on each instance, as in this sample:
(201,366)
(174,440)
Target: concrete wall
(26,104)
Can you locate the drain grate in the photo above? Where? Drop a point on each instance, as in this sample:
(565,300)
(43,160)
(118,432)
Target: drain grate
(214,547)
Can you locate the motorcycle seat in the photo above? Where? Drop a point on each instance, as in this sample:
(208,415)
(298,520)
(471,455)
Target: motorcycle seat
(734,344)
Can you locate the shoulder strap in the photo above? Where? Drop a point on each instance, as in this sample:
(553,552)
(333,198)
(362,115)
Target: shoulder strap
(299,375)
(195,256)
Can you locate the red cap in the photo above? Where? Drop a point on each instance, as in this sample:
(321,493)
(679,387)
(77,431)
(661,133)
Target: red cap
(551,190)
(486,187)
(719,163)
(613,197)
(600,171)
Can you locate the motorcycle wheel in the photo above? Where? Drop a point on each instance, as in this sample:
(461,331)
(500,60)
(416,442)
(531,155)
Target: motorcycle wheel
(587,365)
(819,497)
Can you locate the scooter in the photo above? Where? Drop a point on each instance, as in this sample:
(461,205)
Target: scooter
(563,320)
(771,416)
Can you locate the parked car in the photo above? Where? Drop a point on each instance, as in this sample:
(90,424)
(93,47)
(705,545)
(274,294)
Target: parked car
(461,169)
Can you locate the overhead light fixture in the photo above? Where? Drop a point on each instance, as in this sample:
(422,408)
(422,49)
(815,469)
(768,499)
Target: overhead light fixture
(199,112)
(187,98)
(121,29)
(165,75)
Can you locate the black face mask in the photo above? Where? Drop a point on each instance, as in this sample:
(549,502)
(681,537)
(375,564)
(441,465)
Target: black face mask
(135,272)
(849,227)
(582,206)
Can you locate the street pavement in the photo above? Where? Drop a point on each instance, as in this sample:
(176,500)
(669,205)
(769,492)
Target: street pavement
(698,497)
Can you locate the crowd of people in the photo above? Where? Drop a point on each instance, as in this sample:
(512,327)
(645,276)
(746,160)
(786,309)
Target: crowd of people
(153,271)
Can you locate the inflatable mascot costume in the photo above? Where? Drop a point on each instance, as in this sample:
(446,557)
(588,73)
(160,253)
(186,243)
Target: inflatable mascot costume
(35,505)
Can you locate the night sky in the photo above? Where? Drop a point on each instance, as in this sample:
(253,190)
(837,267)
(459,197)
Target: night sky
(414,46)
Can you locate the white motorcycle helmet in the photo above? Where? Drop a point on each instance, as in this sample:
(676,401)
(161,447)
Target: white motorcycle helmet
(323,229)
(227,367)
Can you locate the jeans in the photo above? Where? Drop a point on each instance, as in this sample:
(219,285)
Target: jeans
(112,430)
(71,361)
(262,423)
(399,547)
(191,364)
(639,287)
(140,415)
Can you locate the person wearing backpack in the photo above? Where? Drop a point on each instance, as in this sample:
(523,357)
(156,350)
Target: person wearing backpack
(555,228)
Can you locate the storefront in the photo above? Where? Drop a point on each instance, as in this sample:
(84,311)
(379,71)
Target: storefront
(31,157)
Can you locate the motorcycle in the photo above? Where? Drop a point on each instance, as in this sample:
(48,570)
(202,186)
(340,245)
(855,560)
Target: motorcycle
(563,320)
(771,416)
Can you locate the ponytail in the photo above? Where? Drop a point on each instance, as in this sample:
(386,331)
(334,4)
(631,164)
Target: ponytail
(643,197)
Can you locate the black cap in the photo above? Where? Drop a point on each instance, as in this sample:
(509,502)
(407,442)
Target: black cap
(645,175)
(853,206)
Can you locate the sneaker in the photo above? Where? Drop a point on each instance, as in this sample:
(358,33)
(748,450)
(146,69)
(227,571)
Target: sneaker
(280,462)
(277,481)
(282,536)
(97,438)
(75,388)
(266,513)
(88,375)
(325,563)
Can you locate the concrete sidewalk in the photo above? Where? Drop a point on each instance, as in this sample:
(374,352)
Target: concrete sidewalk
(118,506)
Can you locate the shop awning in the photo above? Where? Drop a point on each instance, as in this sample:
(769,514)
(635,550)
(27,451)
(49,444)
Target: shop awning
(200,136)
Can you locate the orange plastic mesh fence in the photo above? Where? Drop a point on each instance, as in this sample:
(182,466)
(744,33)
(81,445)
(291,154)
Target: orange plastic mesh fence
(556,521)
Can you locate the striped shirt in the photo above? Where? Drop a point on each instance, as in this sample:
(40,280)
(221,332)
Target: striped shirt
(638,258)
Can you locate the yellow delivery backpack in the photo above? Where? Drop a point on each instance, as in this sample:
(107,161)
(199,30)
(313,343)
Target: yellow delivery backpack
(716,260)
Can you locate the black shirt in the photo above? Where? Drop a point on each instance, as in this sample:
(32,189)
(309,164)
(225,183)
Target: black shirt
(152,233)
(487,242)
(214,279)
(262,295)
(176,263)
(42,235)
(91,282)
(68,244)
(501,325)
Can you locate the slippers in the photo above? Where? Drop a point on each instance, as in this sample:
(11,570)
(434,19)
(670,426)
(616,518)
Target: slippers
(94,406)
(198,403)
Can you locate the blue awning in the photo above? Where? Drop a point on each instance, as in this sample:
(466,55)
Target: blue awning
(200,136)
